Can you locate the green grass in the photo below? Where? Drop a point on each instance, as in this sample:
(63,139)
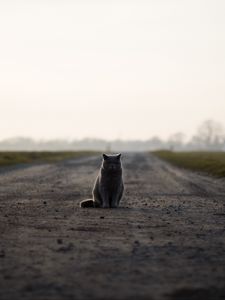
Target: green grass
(12,158)
(212,163)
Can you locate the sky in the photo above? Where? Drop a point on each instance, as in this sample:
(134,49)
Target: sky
(110,69)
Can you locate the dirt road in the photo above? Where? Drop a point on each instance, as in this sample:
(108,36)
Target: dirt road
(167,241)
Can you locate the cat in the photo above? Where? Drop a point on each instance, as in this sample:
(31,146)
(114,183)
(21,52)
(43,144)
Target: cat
(108,188)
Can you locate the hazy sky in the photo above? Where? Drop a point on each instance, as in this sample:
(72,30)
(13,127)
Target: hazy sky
(110,69)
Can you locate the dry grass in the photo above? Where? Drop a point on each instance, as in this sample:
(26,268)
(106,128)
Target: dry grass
(212,163)
(11,158)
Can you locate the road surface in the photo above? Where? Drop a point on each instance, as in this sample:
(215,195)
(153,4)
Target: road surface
(166,241)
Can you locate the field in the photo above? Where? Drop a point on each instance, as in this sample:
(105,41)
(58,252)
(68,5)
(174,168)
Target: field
(12,158)
(166,241)
(211,163)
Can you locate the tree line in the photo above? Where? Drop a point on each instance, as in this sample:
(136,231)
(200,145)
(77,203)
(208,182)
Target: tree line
(209,136)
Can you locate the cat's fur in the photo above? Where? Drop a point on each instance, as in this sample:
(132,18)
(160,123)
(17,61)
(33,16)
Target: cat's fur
(108,188)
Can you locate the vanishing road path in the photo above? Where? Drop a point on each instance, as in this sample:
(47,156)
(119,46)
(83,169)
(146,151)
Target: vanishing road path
(166,241)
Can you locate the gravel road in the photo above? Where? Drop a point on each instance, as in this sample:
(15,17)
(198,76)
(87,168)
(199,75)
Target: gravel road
(166,241)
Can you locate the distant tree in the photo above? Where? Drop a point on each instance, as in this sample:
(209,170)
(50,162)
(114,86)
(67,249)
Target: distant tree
(176,141)
(108,148)
(155,143)
(18,143)
(210,136)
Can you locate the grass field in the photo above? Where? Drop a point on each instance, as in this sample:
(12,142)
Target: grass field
(12,158)
(212,163)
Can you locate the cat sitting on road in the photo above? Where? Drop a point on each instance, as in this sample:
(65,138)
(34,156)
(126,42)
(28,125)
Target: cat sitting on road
(108,188)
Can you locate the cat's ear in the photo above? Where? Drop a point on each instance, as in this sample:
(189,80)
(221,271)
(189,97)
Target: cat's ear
(105,156)
(119,156)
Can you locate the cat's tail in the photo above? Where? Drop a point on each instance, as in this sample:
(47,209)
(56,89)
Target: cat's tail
(87,203)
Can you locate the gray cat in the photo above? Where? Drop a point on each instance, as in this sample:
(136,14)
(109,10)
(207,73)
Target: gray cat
(108,188)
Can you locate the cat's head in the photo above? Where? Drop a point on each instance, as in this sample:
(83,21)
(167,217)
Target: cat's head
(111,162)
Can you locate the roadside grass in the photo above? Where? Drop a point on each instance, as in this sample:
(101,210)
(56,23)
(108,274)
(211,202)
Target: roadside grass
(212,163)
(23,157)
